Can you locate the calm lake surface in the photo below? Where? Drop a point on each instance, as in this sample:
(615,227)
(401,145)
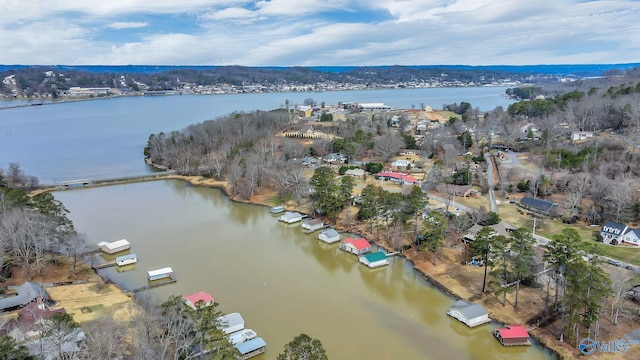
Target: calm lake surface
(282,281)
(104,139)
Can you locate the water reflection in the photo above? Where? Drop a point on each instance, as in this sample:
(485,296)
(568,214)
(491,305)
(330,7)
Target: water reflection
(283,281)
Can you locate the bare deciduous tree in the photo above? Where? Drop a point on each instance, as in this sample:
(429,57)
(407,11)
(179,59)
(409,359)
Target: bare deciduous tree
(620,279)
(387,145)
(24,236)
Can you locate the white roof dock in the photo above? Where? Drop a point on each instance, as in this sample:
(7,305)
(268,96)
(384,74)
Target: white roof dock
(160,273)
(470,314)
(241,336)
(329,236)
(114,247)
(231,323)
(126,259)
(290,217)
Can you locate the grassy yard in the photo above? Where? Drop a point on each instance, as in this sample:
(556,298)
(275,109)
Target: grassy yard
(474,203)
(447,114)
(547,228)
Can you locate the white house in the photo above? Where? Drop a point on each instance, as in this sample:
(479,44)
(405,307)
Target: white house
(400,164)
(469,314)
(612,231)
(581,135)
(335,158)
(632,237)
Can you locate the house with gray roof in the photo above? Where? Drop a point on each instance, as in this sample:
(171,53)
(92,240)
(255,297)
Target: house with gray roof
(613,231)
(538,205)
(469,314)
(632,237)
(499,228)
(25,293)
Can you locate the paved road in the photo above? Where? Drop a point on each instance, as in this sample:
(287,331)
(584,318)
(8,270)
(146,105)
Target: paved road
(492,196)
(426,185)
(513,158)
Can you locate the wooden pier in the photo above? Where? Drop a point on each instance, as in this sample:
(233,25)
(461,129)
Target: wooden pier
(104,266)
(151,286)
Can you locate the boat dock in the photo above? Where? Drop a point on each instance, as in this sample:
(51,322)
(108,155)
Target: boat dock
(104,266)
(311,231)
(151,286)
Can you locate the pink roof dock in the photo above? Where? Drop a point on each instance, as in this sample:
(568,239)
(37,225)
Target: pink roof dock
(359,244)
(513,332)
(194,298)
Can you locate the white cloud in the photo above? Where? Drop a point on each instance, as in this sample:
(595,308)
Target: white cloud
(231,13)
(282,32)
(127,25)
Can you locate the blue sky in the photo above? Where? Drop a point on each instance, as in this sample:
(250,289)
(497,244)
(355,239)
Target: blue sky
(319,32)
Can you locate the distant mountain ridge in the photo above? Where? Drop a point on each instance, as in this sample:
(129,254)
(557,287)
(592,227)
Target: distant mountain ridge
(574,70)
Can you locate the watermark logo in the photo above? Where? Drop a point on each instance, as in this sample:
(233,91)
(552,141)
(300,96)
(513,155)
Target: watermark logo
(588,346)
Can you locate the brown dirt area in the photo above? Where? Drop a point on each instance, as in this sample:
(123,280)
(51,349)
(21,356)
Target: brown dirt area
(90,302)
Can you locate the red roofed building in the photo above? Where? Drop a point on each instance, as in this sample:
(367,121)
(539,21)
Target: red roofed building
(397,177)
(30,321)
(193,299)
(356,246)
(511,335)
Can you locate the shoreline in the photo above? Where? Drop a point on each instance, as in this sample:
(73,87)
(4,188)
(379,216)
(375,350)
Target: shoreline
(549,344)
(545,342)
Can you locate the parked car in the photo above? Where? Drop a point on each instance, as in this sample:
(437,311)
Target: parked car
(614,262)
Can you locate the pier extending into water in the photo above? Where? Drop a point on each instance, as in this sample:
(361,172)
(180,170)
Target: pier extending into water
(104,266)
(151,286)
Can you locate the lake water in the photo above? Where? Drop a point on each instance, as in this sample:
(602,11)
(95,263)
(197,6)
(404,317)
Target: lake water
(103,139)
(282,281)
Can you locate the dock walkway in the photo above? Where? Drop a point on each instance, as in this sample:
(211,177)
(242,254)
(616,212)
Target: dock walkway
(151,286)
(104,266)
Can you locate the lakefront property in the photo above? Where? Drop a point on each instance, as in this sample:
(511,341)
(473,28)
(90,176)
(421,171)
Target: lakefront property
(383,230)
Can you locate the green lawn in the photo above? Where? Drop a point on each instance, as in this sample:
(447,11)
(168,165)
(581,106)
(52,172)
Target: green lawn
(548,227)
